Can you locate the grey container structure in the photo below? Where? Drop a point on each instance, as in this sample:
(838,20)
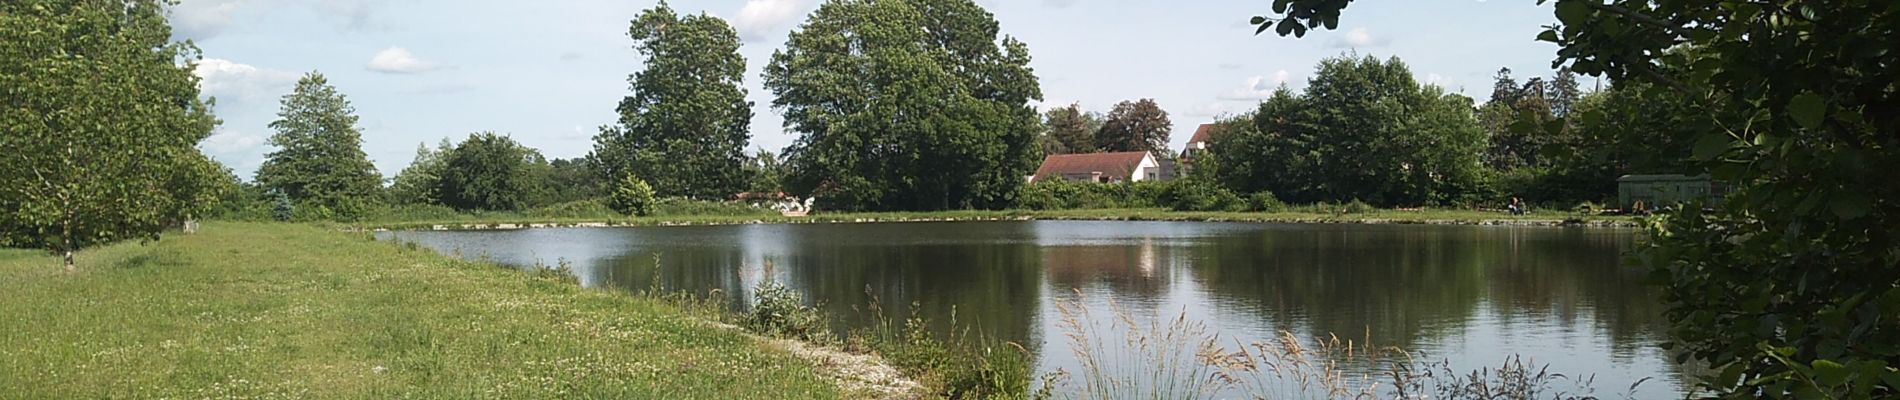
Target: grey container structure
(1658,191)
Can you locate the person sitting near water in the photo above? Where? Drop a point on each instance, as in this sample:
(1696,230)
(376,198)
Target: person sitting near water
(1517,206)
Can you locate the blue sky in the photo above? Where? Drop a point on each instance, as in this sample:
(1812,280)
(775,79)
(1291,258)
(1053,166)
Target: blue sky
(548,73)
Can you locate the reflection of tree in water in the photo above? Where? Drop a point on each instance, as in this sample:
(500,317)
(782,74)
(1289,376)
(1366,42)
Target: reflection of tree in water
(1561,275)
(993,287)
(1409,285)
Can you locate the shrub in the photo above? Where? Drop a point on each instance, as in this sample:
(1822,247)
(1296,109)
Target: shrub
(779,311)
(632,197)
(1194,195)
(1265,202)
(1358,207)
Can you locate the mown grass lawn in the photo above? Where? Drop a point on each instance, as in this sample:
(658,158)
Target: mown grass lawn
(244,310)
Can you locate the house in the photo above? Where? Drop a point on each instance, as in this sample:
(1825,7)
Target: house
(1197,145)
(1132,166)
(1199,142)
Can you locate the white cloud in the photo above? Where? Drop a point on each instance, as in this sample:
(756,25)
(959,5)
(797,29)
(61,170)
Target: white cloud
(227,141)
(760,19)
(397,60)
(233,81)
(1259,87)
(1058,3)
(204,19)
(1360,38)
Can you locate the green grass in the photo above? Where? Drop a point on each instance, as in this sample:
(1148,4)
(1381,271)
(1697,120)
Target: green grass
(1305,215)
(246,310)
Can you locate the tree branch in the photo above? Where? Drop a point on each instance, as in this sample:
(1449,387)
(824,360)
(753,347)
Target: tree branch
(1636,16)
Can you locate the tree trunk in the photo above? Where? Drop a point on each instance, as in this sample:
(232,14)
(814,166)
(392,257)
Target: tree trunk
(70,266)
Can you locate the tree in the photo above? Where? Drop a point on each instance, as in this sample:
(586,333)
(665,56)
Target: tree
(1135,126)
(1363,130)
(417,183)
(1787,288)
(489,172)
(906,105)
(319,158)
(1504,88)
(768,173)
(1070,130)
(686,124)
(568,180)
(101,114)
(1563,93)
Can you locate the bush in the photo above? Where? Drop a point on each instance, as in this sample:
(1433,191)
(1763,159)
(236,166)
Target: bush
(1358,207)
(1194,195)
(1064,195)
(1265,202)
(780,312)
(632,197)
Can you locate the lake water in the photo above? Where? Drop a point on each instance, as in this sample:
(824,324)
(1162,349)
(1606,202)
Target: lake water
(1470,295)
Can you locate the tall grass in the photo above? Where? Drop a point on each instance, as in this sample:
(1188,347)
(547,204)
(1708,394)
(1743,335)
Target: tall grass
(1153,357)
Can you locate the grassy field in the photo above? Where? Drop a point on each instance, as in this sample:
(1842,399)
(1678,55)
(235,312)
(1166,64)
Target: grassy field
(295,311)
(1144,214)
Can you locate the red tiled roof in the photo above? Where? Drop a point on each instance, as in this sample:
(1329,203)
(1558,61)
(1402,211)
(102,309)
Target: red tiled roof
(1120,165)
(1202,134)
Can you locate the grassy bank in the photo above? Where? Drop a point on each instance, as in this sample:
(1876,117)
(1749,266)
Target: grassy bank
(293,311)
(1424,216)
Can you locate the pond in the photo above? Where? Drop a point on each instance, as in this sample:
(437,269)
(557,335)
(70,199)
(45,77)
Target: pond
(1472,296)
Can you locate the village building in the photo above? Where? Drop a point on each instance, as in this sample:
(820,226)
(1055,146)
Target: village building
(1131,166)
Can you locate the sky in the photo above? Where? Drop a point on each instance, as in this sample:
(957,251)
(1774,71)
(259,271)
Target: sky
(549,73)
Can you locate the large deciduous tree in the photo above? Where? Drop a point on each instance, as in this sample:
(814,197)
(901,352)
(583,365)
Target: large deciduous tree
(489,172)
(319,161)
(1070,130)
(1135,126)
(99,116)
(906,104)
(685,126)
(1788,287)
(1365,130)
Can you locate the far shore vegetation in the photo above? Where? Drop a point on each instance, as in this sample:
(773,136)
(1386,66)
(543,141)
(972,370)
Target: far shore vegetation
(1783,282)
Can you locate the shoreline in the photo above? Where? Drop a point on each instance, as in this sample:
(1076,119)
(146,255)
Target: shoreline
(1380,218)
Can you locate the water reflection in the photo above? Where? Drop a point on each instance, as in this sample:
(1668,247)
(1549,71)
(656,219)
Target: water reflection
(1470,294)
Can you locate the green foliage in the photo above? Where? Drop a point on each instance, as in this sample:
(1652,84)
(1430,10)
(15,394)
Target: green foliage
(1198,195)
(906,105)
(418,183)
(1357,207)
(1065,195)
(319,157)
(566,180)
(1070,130)
(101,114)
(780,312)
(489,172)
(1135,126)
(1265,202)
(1787,289)
(1362,129)
(953,366)
(632,197)
(686,124)
(282,208)
(768,173)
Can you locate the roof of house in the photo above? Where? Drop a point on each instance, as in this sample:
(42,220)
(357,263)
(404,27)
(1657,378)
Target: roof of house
(1112,164)
(1202,134)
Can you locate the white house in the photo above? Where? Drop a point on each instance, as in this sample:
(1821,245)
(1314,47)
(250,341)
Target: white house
(1132,166)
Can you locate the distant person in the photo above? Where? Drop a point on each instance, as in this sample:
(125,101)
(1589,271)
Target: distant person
(1517,206)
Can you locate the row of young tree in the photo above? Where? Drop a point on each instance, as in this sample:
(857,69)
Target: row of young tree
(1139,125)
